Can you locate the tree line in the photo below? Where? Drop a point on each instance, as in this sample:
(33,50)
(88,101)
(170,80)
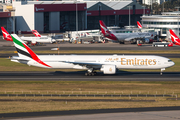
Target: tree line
(167,6)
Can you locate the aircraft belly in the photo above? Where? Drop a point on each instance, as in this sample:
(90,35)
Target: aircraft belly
(58,65)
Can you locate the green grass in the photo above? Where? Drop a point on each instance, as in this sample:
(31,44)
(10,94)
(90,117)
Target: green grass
(84,87)
(7,65)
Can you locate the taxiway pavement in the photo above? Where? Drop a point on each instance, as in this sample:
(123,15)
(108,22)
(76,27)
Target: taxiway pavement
(154,113)
(79,76)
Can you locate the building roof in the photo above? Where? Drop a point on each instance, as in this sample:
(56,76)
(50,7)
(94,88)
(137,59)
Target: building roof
(115,5)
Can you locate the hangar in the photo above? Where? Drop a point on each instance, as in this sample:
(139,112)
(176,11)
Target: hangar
(6,21)
(60,16)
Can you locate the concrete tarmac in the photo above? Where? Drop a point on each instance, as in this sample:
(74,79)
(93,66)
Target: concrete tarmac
(79,76)
(155,115)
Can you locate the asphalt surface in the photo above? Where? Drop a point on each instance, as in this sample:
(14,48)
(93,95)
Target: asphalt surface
(80,76)
(8,46)
(152,113)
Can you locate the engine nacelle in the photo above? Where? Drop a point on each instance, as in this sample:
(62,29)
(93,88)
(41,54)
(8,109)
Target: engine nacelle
(53,41)
(33,42)
(146,40)
(108,69)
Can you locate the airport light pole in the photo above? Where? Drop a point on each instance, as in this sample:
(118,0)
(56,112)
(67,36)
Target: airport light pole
(76,21)
(178,19)
(76,17)
(129,15)
(143,10)
(163,5)
(151,6)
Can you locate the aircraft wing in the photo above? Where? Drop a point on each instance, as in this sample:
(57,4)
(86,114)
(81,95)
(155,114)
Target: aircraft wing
(87,64)
(136,37)
(130,38)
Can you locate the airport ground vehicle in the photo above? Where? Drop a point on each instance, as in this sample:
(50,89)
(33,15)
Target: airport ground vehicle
(160,44)
(105,63)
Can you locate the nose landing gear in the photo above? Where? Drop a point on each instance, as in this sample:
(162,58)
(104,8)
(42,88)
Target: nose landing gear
(162,69)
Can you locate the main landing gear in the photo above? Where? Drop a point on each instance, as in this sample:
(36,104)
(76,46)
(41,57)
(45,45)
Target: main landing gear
(90,72)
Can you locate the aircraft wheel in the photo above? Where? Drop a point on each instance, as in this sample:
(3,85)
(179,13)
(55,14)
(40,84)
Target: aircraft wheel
(92,74)
(86,74)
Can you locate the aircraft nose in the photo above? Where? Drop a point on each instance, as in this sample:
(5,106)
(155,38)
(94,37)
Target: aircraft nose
(173,63)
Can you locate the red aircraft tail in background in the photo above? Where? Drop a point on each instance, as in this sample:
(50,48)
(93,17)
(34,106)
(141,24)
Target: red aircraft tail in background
(106,32)
(35,32)
(6,35)
(174,38)
(139,25)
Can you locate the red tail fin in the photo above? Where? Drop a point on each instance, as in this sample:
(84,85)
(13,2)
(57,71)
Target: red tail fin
(6,35)
(106,32)
(174,38)
(139,25)
(35,32)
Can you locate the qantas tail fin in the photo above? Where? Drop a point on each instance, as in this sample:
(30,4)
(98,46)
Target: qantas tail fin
(36,33)
(106,32)
(139,25)
(25,52)
(6,35)
(174,37)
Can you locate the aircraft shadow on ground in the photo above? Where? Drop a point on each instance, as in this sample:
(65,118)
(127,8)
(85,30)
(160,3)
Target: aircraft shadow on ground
(118,73)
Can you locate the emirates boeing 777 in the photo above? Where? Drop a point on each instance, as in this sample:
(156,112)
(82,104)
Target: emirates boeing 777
(105,63)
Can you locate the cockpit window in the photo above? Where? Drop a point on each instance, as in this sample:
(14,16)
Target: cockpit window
(169,60)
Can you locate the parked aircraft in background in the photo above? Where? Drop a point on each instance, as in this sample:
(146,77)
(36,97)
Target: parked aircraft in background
(105,63)
(56,37)
(174,38)
(36,33)
(32,40)
(125,37)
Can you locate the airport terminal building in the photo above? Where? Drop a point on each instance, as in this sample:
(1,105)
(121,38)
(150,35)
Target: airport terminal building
(60,16)
(164,22)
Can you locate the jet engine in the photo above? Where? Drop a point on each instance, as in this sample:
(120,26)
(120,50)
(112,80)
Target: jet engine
(146,40)
(53,41)
(108,69)
(33,42)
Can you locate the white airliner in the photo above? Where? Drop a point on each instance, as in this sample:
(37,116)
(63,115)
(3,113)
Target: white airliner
(32,40)
(54,37)
(124,37)
(105,63)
